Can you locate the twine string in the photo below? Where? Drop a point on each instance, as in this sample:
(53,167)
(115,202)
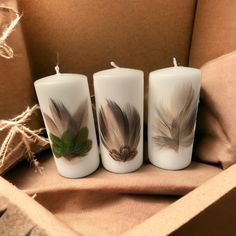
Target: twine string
(5,50)
(17,125)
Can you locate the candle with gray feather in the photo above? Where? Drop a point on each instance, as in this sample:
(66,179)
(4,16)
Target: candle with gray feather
(66,108)
(172,110)
(119,103)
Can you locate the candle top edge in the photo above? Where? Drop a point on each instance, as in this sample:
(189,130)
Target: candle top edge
(175,70)
(118,71)
(60,78)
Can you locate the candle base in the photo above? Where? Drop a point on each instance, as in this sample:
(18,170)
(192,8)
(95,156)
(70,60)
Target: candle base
(77,168)
(170,159)
(121,169)
(167,167)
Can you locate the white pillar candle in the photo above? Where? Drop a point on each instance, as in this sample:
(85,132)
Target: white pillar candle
(172,105)
(66,108)
(119,103)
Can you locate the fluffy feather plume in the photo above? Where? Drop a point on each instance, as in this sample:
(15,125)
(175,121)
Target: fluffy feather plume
(120,130)
(68,133)
(175,126)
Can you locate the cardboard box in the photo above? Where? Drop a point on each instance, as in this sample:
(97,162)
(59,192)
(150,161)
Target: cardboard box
(207,210)
(88,35)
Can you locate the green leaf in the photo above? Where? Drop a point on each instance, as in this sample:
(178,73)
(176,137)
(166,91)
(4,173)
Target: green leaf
(82,135)
(57,150)
(83,145)
(70,143)
(68,139)
(55,140)
(57,145)
(81,149)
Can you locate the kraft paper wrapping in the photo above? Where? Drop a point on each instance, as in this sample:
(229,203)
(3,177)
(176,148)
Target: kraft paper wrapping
(16,92)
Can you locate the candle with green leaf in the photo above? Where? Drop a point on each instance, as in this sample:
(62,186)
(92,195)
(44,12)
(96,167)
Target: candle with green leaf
(66,108)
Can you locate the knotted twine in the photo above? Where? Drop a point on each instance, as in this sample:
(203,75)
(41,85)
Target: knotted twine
(9,18)
(28,137)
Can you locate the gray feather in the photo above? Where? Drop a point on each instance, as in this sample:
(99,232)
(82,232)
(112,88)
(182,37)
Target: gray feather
(175,127)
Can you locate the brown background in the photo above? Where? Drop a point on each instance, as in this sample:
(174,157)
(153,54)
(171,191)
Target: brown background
(89,34)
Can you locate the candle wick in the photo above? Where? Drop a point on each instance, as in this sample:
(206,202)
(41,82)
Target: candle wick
(114,64)
(175,62)
(57,69)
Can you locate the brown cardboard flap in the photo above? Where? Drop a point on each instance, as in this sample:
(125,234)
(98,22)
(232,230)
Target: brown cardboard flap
(218,219)
(175,218)
(21,215)
(214,31)
(114,203)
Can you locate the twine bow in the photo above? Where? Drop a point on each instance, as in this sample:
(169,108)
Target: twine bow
(28,137)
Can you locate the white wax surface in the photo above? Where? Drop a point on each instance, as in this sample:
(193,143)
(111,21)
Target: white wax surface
(162,85)
(123,86)
(71,90)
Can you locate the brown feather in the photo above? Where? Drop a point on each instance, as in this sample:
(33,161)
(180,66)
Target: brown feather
(61,116)
(51,124)
(112,130)
(81,115)
(134,126)
(119,130)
